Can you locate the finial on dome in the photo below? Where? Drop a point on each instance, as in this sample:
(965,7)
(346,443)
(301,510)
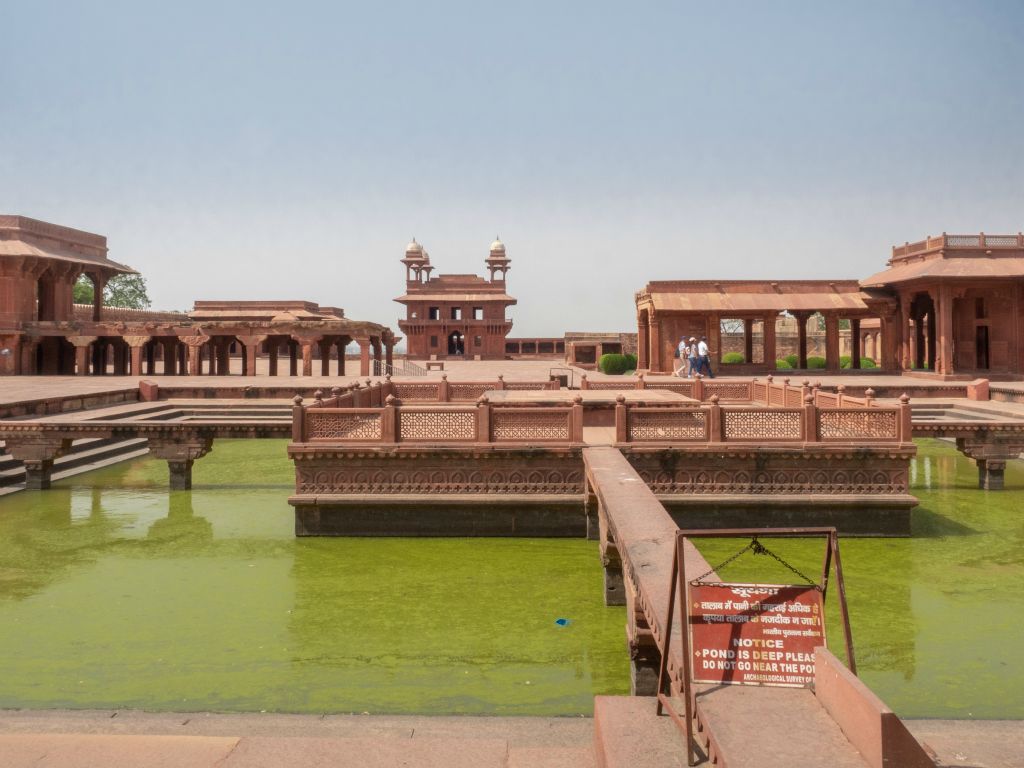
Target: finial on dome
(497,245)
(414,247)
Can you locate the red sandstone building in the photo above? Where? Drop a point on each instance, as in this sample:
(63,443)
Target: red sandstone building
(951,306)
(43,332)
(458,317)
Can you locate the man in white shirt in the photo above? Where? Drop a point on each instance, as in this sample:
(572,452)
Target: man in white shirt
(704,358)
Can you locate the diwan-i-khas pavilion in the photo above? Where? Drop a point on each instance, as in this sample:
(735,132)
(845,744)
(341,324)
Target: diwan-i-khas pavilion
(43,331)
(950,306)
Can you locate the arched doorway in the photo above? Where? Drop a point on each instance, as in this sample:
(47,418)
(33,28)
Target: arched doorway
(456,343)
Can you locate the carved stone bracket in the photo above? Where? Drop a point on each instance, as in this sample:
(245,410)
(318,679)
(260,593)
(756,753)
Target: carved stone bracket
(38,453)
(180,453)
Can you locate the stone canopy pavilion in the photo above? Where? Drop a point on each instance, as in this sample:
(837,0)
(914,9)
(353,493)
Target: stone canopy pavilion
(949,306)
(42,331)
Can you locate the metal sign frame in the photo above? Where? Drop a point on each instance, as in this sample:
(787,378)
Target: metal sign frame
(679,586)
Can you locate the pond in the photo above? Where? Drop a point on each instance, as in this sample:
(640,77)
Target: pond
(115,592)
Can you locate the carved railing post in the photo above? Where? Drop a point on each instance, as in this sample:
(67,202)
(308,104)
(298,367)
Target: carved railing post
(389,386)
(906,419)
(698,388)
(839,395)
(444,390)
(810,420)
(584,382)
(621,419)
(298,420)
(576,434)
(389,420)
(483,420)
(501,381)
(714,417)
(641,382)
(869,397)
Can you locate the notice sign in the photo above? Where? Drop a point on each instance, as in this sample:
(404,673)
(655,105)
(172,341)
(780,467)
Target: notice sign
(755,634)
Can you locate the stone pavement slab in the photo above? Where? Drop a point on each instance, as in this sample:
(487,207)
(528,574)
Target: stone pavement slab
(263,752)
(109,751)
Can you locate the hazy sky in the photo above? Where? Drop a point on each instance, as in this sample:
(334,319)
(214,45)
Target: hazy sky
(290,150)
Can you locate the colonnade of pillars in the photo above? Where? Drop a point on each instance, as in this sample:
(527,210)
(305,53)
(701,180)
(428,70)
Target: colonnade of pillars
(199,355)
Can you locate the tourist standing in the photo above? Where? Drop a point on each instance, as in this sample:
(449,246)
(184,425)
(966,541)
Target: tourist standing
(704,358)
(691,357)
(681,353)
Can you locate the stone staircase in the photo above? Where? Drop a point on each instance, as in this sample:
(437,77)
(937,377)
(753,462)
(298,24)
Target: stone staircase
(85,455)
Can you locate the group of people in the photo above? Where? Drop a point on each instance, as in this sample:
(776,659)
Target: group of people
(694,358)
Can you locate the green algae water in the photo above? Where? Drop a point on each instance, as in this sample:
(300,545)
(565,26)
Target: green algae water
(937,619)
(115,592)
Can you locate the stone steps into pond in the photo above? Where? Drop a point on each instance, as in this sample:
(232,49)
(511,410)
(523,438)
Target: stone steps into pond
(85,455)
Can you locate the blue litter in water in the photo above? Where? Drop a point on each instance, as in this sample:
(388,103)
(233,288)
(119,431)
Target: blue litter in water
(562,622)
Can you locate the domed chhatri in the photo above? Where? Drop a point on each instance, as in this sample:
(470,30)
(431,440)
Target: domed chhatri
(497,246)
(413,249)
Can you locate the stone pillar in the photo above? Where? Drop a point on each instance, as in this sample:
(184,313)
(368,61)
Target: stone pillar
(990,474)
(150,359)
(224,357)
(831,342)
(99,282)
(37,452)
(194,345)
(135,345)
(642,341)
(364,356)
(325,357)
(81,344)
(748,340)
(251,344)
(801,330)
(944,312)
(307,358)
(715,343)
(293,357)
(342,344)
(769,338)
(375,346)
(389,352)
(654,333)
(272,356)
(855,342)
(180,453)
(170,363)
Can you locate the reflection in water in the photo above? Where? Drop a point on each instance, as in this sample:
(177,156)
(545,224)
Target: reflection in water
(181,525)
(127,595)
(115,592)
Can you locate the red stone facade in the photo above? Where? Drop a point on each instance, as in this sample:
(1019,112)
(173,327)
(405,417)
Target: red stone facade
(951,305)
(455,317)
(43,332)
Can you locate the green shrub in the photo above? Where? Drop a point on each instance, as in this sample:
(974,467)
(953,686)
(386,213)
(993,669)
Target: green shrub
(783,365)
(631,359)
(845,361)
(732,358)
(614,364)
(793,360)
(815,362)
(867,362)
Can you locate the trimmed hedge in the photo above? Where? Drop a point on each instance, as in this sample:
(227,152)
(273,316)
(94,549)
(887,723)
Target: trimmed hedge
(815,362)
(793,360)
(631,359)
(732,358)
(615,364)
(845,361)
(783,365)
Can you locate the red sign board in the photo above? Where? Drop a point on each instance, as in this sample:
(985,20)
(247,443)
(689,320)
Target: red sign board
(755,634)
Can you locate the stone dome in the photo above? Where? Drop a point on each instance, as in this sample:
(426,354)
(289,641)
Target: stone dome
(497,246)
(414,248)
